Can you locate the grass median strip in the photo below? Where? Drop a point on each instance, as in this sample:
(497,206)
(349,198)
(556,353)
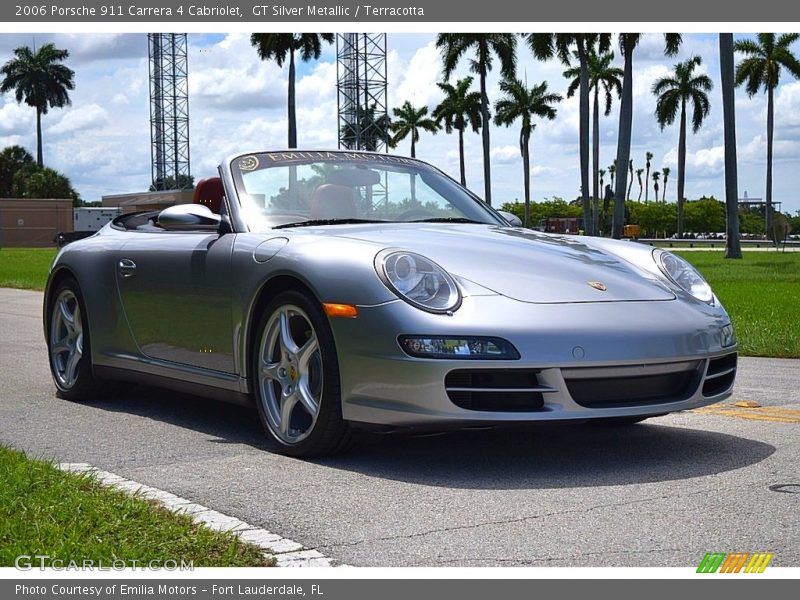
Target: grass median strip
(72,517)
(25,268)
(761,292)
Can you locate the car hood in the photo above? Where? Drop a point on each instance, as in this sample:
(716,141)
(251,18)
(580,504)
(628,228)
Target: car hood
(524,265)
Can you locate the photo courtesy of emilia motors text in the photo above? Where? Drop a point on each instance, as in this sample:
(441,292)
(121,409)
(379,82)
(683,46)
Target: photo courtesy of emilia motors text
(407,298)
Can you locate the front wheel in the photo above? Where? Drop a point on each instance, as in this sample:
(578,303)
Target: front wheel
(296,378)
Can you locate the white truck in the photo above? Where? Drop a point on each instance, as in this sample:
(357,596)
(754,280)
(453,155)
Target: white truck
(92,219)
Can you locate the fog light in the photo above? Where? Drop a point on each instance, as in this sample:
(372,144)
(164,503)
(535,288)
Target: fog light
(728,336)
(459,348)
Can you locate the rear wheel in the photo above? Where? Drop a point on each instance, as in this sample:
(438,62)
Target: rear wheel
(68,344)
(296,378)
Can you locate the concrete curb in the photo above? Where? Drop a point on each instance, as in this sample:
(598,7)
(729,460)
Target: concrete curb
(286,552)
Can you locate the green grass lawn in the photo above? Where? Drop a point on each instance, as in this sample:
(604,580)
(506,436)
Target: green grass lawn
(25,268)
(761,292)
(70,516)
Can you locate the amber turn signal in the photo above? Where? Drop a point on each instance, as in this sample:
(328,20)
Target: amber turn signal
(348,311)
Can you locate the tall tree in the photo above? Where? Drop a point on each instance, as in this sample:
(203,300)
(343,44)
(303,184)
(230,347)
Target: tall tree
(453,47)
(627,45)
(409,121)
(563,46)
(666,172)
(39,79)
(459,109)
(369,130)
(639,176)
(630,183)
(602,174)
(733,248)
(279,47)
(648,156)
(12,159)
(601,75)
(520,103)
(673,93)
(762,69)
(656,176)
(612,171)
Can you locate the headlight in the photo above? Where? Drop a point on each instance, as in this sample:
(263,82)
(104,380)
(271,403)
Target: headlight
(418,280)
(684,275)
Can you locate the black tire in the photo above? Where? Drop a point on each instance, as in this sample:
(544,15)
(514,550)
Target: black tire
(328,433)
(83,386)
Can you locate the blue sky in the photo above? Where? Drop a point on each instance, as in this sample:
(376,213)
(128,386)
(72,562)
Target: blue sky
(238,103)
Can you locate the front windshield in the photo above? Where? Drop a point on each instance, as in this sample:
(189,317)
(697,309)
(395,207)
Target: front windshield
(291,189)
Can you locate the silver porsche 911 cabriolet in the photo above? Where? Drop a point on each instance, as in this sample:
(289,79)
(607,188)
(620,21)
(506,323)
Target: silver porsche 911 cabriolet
(337,290)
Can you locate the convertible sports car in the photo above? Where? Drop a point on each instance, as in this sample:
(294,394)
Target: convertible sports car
(338,290)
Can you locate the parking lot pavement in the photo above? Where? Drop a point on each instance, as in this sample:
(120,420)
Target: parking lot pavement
(658,494)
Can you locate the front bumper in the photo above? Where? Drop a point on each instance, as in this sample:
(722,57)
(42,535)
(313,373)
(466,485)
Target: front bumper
(559,343)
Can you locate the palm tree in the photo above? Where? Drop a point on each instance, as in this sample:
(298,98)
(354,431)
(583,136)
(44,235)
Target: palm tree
(762,68)
(408,121)
(368,131)
(627,44)
(453,47)
(524,104)
(602,173)
(656,176)
(648,156)
(601,74)
(279,46)
(459,108)
(612,170)
(630,183)
(40,80)
(665,171)
(548,45)
(639,176)
(733,248)
(673,93)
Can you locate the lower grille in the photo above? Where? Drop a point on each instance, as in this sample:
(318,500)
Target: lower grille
(496,390)
(720,375)
(638,385)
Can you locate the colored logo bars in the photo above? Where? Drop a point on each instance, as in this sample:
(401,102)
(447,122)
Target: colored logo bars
(736,562)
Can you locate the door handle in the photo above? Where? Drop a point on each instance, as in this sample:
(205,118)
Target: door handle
(127,267)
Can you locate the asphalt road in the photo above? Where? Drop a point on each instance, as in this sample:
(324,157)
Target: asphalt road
(659,494)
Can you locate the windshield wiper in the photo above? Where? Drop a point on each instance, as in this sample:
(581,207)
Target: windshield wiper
(448,220)
(312,222)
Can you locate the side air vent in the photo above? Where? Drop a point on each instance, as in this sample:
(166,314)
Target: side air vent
(720,375)
(496,390)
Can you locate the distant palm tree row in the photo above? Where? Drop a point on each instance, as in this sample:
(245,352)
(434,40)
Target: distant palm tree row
(41,80)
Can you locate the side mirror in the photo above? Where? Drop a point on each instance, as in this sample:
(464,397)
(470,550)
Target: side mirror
(512,219)
(189,217)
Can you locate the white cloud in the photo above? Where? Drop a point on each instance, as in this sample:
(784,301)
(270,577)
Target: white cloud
(705,162)
(505,154)
(418,85)
(90,116)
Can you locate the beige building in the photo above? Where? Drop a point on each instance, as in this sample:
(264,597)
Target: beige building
(142,201)
(32,222)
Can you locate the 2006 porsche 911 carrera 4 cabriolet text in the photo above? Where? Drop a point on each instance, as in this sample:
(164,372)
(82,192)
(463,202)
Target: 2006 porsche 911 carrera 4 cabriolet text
(338,290)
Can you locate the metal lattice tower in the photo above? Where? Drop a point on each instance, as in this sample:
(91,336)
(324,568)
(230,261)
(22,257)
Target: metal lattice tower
(361,86)
(169,110)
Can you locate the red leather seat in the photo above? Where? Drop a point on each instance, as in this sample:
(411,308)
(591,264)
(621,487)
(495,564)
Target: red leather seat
(332,201)
(209,192)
